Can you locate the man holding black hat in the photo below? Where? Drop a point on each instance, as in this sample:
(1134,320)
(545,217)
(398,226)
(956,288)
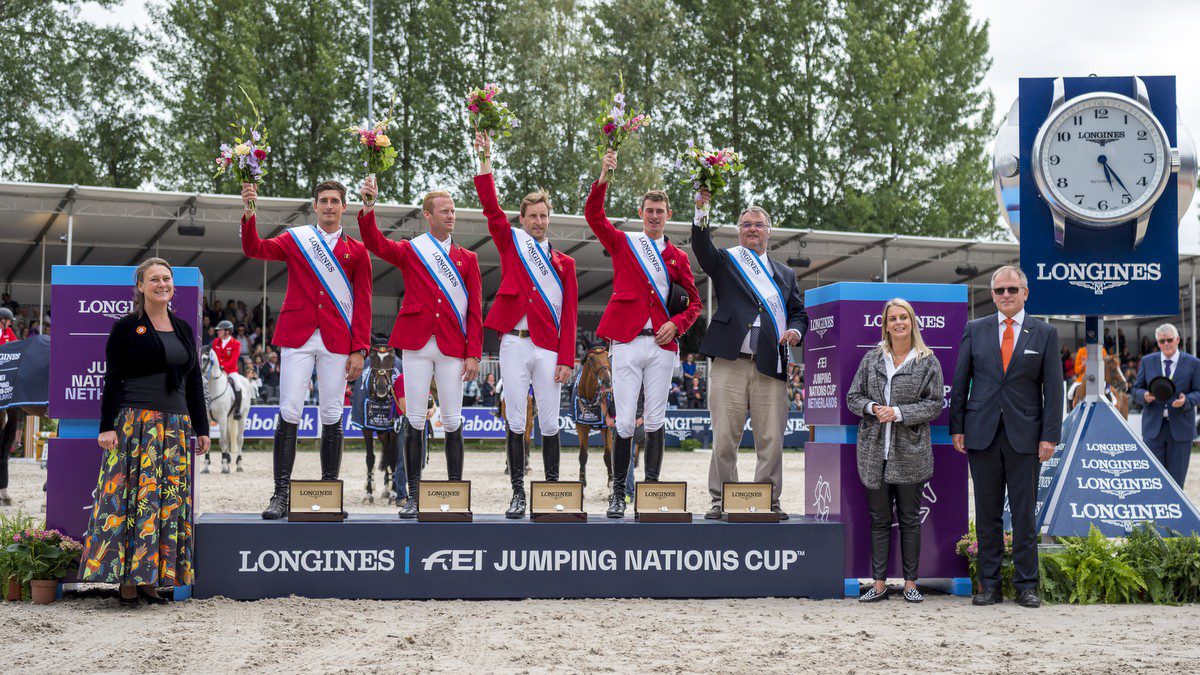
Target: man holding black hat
(643,321)
(1168,385)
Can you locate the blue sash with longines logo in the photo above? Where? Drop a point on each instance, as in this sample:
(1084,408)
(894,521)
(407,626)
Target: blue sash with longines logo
(756,271)
(325,265)
(541,273)
(646,252)
(444,273)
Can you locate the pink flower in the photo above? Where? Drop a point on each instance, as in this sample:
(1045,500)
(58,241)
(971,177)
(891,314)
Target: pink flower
(609,129)
(260,153)
(473,108)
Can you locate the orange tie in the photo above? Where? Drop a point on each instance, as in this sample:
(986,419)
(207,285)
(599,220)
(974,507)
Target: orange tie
(1006,344)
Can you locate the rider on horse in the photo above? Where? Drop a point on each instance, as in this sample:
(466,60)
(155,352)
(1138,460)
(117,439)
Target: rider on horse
(228,352)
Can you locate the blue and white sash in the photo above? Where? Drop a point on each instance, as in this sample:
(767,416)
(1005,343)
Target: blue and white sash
(646,252)
(325,265)
(756,271)
(541,273)
(444,273)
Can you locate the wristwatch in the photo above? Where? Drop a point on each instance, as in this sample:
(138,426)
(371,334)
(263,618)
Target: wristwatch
(361,352)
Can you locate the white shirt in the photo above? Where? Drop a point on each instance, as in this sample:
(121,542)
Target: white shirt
(1018,321)
(891,368)
(330,239)
(661,245)
(523,324)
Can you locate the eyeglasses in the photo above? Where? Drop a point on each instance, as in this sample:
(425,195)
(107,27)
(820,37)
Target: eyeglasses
(751,225)
(1011,290)
(1166,341)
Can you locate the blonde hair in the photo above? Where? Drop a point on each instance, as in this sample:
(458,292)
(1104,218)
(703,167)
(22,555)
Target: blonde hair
(536,197)
(885,341)
(427,203)
(139,298)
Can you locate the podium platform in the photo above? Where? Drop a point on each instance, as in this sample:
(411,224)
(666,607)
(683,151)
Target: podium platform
(377,556)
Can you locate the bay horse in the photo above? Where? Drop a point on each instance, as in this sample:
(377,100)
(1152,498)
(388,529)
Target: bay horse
(589,406)
(1116,388)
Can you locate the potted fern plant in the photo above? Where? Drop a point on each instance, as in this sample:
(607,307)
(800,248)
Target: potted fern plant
(43,557)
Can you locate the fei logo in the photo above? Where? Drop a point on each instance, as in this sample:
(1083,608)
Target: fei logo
(455,560)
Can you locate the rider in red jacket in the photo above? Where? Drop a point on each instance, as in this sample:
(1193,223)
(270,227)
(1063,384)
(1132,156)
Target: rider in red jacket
(6,332)
(228,352)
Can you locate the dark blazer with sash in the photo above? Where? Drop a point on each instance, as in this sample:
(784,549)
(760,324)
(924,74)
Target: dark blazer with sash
(1181,421)
(738,306)
(1029,394)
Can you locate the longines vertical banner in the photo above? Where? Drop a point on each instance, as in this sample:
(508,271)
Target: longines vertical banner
(1098,271)
(87,301)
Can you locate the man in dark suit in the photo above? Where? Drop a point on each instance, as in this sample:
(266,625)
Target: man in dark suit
(1006,415)
(1168,427)
(759,315)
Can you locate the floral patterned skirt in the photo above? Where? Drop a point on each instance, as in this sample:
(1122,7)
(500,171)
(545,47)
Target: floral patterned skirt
(140,530)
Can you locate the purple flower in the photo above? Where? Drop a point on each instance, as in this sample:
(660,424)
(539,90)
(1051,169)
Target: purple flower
(255,135)
(619,99)
(514,123)
(678,162)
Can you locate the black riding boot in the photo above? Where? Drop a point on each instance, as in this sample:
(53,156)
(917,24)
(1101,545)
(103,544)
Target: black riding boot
(655,445)
(515,446)
(550,453)
(414,450)
(282,460)
(331,450)
(237,404)
(454,455)
(620,460)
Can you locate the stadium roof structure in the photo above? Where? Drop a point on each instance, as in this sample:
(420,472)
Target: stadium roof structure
(113,226)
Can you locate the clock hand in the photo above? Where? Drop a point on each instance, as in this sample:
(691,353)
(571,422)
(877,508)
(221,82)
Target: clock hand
(1107,172)
(1118,178)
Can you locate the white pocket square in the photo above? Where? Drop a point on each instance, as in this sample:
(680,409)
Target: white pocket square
(1030,351)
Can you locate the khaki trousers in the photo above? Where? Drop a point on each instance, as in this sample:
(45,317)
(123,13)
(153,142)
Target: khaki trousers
(735,388)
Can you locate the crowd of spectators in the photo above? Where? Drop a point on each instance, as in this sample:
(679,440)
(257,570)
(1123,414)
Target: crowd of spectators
(1129,357)
(25,318)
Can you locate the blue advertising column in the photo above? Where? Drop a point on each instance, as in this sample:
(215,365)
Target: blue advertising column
(87,301)
(845,322)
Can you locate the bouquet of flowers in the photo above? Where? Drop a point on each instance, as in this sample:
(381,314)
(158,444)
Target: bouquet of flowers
(708,170)
(39,553)
(375,148)
(618,124)
(246,158)
(489,115)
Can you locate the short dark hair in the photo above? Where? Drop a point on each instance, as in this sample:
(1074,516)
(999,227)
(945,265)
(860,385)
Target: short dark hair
(655,196)
(326,185)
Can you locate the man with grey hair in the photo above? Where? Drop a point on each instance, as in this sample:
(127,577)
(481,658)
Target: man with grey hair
(1168,427)
(1006,416)
(759,314)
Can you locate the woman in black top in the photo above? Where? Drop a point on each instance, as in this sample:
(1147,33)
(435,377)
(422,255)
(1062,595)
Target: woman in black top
(140,533)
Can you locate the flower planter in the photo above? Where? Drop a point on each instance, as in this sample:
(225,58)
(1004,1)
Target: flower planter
(44,591)
(13,590)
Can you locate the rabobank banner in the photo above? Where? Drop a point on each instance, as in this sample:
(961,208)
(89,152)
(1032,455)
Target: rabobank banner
(481,423)
(378,556)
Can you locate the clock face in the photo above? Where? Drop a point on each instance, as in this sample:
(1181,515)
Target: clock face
(1102,159)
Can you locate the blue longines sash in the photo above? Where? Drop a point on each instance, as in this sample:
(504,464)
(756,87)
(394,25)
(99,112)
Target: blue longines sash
(444,273)
(756,271)
(324,264)
(645,251)
(541,273)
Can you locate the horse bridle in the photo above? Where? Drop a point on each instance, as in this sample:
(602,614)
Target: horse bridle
(211,362)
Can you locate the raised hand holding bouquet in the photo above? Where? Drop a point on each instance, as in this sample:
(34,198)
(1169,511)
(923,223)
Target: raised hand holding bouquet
(489,115)
(246,159)
(375,149)
(709,172)
(617,124)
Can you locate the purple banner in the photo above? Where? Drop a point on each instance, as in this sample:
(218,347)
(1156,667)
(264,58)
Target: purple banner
(833,491)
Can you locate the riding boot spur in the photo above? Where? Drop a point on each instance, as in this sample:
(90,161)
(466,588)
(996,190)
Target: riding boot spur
(550,456)
(414,456)
(515,447)
(620,460)
(454,455)
(331,450)
(655,445)
(283,458)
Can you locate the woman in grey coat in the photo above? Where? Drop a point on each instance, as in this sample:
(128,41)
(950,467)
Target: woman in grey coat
(898,391)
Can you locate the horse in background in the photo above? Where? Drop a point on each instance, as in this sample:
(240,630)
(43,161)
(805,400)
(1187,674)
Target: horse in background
(590,400)
(219,393)
(1116,388)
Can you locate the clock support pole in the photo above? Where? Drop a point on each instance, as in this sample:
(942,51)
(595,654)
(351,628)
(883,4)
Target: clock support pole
(1094,339)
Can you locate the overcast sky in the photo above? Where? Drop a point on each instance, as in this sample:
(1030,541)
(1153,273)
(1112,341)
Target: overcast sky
(1040,38)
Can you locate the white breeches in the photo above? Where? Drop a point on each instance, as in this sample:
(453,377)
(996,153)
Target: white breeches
(641,365)
(522,364)
(295,373)
(426,365)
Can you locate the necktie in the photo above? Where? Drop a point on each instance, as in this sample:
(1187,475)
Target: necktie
(1166,404)
(1168,368)
(754,332)
(1006,344)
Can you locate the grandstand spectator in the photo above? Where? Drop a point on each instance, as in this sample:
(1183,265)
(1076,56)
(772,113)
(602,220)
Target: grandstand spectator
(488,389)
(696,394)
(689,366)
(242,338)
(471,392)
(797,402)
(7,301)
(269,375)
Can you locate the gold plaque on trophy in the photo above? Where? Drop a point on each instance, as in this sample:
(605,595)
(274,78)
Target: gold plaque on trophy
(556,502)
(316,501)
(661,502)
(444,501)
(747,503)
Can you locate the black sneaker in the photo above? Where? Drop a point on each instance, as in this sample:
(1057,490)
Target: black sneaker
(873,595)
(913,595)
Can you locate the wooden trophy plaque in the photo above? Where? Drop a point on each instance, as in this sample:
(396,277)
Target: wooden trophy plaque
(664,502)
(444,501)
(556,502)
(747,503)
(315,501)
